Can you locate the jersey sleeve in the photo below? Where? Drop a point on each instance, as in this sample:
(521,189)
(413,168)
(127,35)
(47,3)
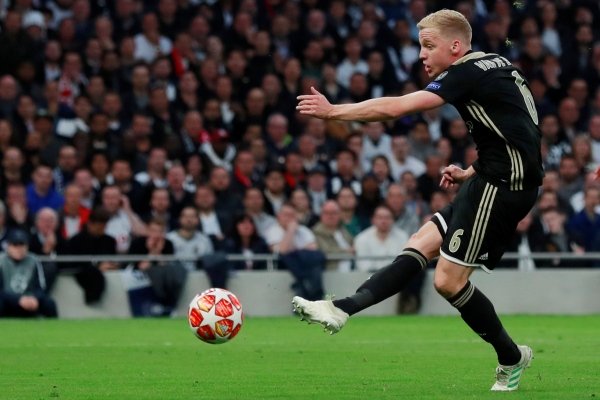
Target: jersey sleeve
(453,84)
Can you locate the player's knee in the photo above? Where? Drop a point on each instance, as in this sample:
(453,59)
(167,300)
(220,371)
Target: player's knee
(446,286)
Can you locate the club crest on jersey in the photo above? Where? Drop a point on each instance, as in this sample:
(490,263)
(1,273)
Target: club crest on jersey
(434,86)
(441,76)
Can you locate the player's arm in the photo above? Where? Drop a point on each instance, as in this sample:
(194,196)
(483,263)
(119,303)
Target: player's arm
(378,109)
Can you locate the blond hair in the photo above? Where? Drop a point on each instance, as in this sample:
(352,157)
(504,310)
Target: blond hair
(448,22)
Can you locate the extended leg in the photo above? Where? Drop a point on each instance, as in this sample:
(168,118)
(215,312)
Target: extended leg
(422,246)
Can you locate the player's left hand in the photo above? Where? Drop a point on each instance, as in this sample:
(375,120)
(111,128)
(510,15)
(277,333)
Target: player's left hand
(314,104)
(453,175)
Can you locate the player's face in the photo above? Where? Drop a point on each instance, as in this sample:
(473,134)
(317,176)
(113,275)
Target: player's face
(436,51)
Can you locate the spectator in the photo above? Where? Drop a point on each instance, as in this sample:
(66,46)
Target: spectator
(121,176)
(166,277)
(429,181)
(381,239)
(192,129)
(555,238)
(40,192)
(217,149)
(332,237)
(274,191)
(9,90)
(123,223)
(73,215)
(351,221)
(13,168)
(254,208)
(245,240)
(294,173)
(244,174)
(346,162)
(15,44)
(330,85)
(316,188)
(577,201)
(278,139)
(179,195)
(92,240)
(22,281)
(220,182)
(300,201)
(153,173)
(46,241)
(84,180)
(370,196)
(197,249)
(382,172)
(188,99)
(376,142)
(160,208)
(403,218)
(150,44)
(297,249)
(100,169)
(584,227)
(352,63)
(571,180)
(18,214)
(164,121)
(138,98)
(64,171)
(212,223)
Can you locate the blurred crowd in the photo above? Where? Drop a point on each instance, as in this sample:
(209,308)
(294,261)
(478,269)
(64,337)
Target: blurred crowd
(169,127)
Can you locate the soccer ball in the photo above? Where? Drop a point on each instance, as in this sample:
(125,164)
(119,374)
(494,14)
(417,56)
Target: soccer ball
(215,316)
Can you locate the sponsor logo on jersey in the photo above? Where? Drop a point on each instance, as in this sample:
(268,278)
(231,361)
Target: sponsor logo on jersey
(441,76)
(483,257)
(434,86)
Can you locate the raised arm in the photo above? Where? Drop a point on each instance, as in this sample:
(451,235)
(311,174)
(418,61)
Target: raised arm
(379,109)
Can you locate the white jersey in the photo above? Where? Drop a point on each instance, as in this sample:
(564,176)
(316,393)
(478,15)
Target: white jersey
(119,227)
(195,247)
(302,238)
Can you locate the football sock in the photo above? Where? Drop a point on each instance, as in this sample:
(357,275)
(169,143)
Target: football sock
(385,283)
(479,313)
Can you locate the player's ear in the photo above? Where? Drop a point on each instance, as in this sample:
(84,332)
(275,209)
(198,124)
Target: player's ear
(456,45)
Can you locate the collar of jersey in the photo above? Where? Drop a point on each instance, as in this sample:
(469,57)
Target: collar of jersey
(469,56)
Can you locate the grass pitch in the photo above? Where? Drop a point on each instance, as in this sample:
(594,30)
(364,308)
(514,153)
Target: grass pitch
(281,358)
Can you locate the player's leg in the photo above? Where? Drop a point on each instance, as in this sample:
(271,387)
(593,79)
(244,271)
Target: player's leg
(481,224)
(392,279)
(421,247)
(452,282)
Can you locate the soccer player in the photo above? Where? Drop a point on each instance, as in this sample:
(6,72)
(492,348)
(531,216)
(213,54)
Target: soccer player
(496,192)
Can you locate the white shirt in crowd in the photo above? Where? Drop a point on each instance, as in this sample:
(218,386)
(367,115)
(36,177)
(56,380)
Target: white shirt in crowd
(210,224)
(412,164)
(119,227)
(148,52)
(367,243)
(302,238)
(195,247)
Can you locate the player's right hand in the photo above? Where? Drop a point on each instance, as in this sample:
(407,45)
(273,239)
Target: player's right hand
(314,104)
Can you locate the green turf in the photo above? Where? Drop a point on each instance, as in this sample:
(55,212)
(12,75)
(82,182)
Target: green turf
(282,358)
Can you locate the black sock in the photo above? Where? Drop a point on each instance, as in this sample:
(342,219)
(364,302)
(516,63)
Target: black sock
(479,313)
(385,283)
